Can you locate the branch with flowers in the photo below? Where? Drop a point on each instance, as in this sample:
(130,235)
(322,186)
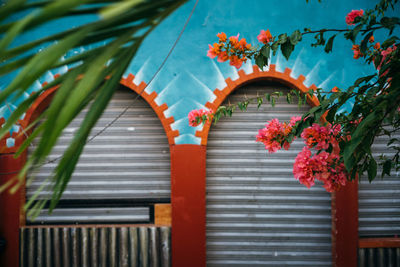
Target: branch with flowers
(337,144)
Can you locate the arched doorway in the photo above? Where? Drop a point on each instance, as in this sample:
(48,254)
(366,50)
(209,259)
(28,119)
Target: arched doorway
(257,213)
(122,174)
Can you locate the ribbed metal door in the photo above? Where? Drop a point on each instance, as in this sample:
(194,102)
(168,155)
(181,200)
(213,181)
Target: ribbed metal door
(257,213)
(95,246)
(119,172)
(379,201)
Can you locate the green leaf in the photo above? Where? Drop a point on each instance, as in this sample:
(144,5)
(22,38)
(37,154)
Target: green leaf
(266,51)
(11,34)
(329,44)
(331,114)
(260,61)
(358,136)
(287,49)
(40,63)
(387,166)
(67,164)
(320,40)
(117,8)
(389,23)
(289,98)
(296,37)
(372,169)
(275,47)
(259,101)
(389,42)
(353,33)
(282,38)
(364,43)
(10,8)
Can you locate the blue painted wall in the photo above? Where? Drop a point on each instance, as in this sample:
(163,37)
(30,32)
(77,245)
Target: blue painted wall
(189,77)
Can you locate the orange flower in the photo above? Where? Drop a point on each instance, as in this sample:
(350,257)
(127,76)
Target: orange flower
(222,37)
(377,46)
(243,44)
(371,39)
(222,57)
(214,50)
(234,40)
(235,61)
(356,51)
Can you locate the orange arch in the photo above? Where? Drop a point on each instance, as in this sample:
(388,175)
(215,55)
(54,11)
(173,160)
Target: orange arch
(42,102)
(271,75)
(158,109)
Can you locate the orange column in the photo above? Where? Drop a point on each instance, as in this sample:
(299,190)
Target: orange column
(188,200)
(10,210)
(345,226)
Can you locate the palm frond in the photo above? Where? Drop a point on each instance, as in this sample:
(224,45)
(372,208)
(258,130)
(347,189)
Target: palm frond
(110,42)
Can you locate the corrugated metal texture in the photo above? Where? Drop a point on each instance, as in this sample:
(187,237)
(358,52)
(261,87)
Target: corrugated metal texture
(257,213)
(128,162)
(95,215)
(379,202)
(379,257)
(95,247)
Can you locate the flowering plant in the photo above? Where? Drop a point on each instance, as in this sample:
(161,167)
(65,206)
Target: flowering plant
(230,49)
(274,135)
(198,116)
(342,152)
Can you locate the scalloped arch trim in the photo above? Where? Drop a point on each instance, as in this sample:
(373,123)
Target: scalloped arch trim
(44,100)
(271,75)
(158,109)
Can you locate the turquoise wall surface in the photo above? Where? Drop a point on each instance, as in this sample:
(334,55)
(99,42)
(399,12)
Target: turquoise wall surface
(189,77)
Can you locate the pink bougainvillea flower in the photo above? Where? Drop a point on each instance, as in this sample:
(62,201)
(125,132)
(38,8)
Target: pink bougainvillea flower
(198,116)
(386,54)
(323,166)
(303,168)
(293,120)
(321,136)
(222,37)
(352,15)
(274,134)
(388,51)
(264,37)
(271,135)
(315,136)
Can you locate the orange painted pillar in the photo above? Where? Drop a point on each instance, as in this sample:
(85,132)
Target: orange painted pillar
(345,226)
(188,200)
(10,210)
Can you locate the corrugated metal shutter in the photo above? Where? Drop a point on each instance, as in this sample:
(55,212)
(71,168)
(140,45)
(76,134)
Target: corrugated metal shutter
(257,213)
(378,257)
(120,171)
(379,202)
(95,246)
